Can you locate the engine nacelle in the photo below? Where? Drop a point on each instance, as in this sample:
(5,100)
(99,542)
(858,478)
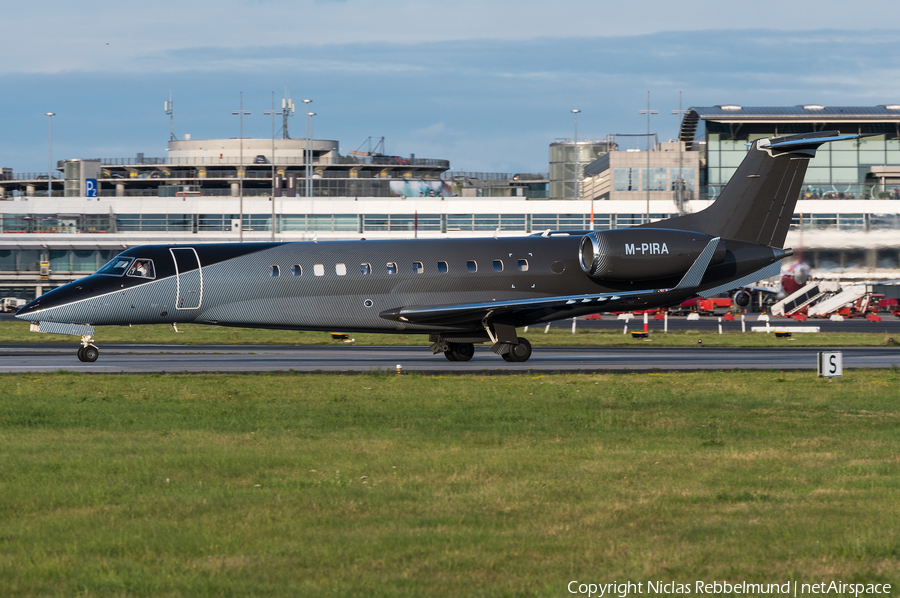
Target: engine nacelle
(643,253)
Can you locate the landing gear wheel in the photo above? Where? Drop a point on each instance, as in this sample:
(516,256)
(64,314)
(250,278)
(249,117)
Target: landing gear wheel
(518,352)
(460,351)
(89,353)
(80,353)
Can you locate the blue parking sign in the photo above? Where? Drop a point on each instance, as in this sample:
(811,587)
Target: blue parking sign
(90,187)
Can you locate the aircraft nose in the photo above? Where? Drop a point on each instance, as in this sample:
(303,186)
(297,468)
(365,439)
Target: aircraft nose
(45,306)
(30,312)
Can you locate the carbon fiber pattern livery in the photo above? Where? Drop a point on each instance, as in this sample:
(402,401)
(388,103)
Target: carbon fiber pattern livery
(452,289)
(363,285)
(70,329)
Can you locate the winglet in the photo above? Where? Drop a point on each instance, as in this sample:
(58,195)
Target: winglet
(694,275)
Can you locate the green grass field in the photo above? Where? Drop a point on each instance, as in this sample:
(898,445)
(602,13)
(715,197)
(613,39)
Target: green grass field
(560,335)
(386,485)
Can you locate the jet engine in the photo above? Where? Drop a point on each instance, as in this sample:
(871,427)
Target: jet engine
(742,298)
(643,253)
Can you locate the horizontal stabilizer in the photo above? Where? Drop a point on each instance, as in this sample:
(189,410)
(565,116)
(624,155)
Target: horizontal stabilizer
(810,142)
(761,274)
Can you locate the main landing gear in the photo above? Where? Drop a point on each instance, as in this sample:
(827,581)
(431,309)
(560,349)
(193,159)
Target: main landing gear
(512,352)
(519,352)
(88,352)
(459,351)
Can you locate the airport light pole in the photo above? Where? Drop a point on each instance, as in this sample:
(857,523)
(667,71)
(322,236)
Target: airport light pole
(575,147)
(240,113)
(50,116)
(273,113)
(648,112)
(679,194)
(310,183)
(307,153)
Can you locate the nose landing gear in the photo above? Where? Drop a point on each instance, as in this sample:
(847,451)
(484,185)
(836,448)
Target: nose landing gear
(88,352)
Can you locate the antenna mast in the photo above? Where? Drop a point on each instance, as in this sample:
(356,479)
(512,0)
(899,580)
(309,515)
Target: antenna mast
(287,110)
(170,110)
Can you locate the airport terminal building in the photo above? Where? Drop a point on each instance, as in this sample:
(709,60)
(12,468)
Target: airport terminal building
(233,167)
(866,168)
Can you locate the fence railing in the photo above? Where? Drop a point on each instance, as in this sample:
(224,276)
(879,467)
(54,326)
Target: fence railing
(29,176)
(249,160)
(827,191)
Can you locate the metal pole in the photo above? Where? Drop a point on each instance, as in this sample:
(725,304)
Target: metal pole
(273,166)
(240,113)
(575,147)
(311,133)
(648,112)
(679,193)
(273,113)
(241,173)
(50,116)
(306,152)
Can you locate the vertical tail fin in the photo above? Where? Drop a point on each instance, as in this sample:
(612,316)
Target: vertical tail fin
(758,202)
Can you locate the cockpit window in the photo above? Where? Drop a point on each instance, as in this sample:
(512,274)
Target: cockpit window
(116,266)
(142,268)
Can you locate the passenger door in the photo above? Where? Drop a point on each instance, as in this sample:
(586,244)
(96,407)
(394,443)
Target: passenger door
(189,278)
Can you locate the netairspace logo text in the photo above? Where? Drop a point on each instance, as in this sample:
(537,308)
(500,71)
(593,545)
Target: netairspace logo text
(790,588)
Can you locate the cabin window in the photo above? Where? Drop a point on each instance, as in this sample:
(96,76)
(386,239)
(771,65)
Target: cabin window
(471,266)
(523,265)
(442,267)
(392,267)
(498,266)
(418,268)
(142,268)
(296,270)
(276,271)
(365,268)
(340,269)
(319,270)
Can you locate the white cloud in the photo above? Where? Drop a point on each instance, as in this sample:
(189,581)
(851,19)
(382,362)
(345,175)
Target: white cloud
(97,36)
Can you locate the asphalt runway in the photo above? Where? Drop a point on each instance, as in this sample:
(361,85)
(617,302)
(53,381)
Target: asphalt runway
(890,324)
(357,359)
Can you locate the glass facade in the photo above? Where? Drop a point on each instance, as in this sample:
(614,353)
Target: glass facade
(660,179)
(840,170)
(66,261)
(562,165)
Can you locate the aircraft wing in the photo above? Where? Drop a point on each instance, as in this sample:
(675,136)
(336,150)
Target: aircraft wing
(477,311)
(474,312)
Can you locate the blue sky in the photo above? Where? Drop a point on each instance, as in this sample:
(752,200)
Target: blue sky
(487,85)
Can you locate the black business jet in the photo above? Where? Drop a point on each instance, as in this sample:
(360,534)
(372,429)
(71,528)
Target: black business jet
(458,291)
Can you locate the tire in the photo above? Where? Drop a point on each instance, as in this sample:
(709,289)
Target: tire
(80,353)
(90,353)
(461,351)
(519,352)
